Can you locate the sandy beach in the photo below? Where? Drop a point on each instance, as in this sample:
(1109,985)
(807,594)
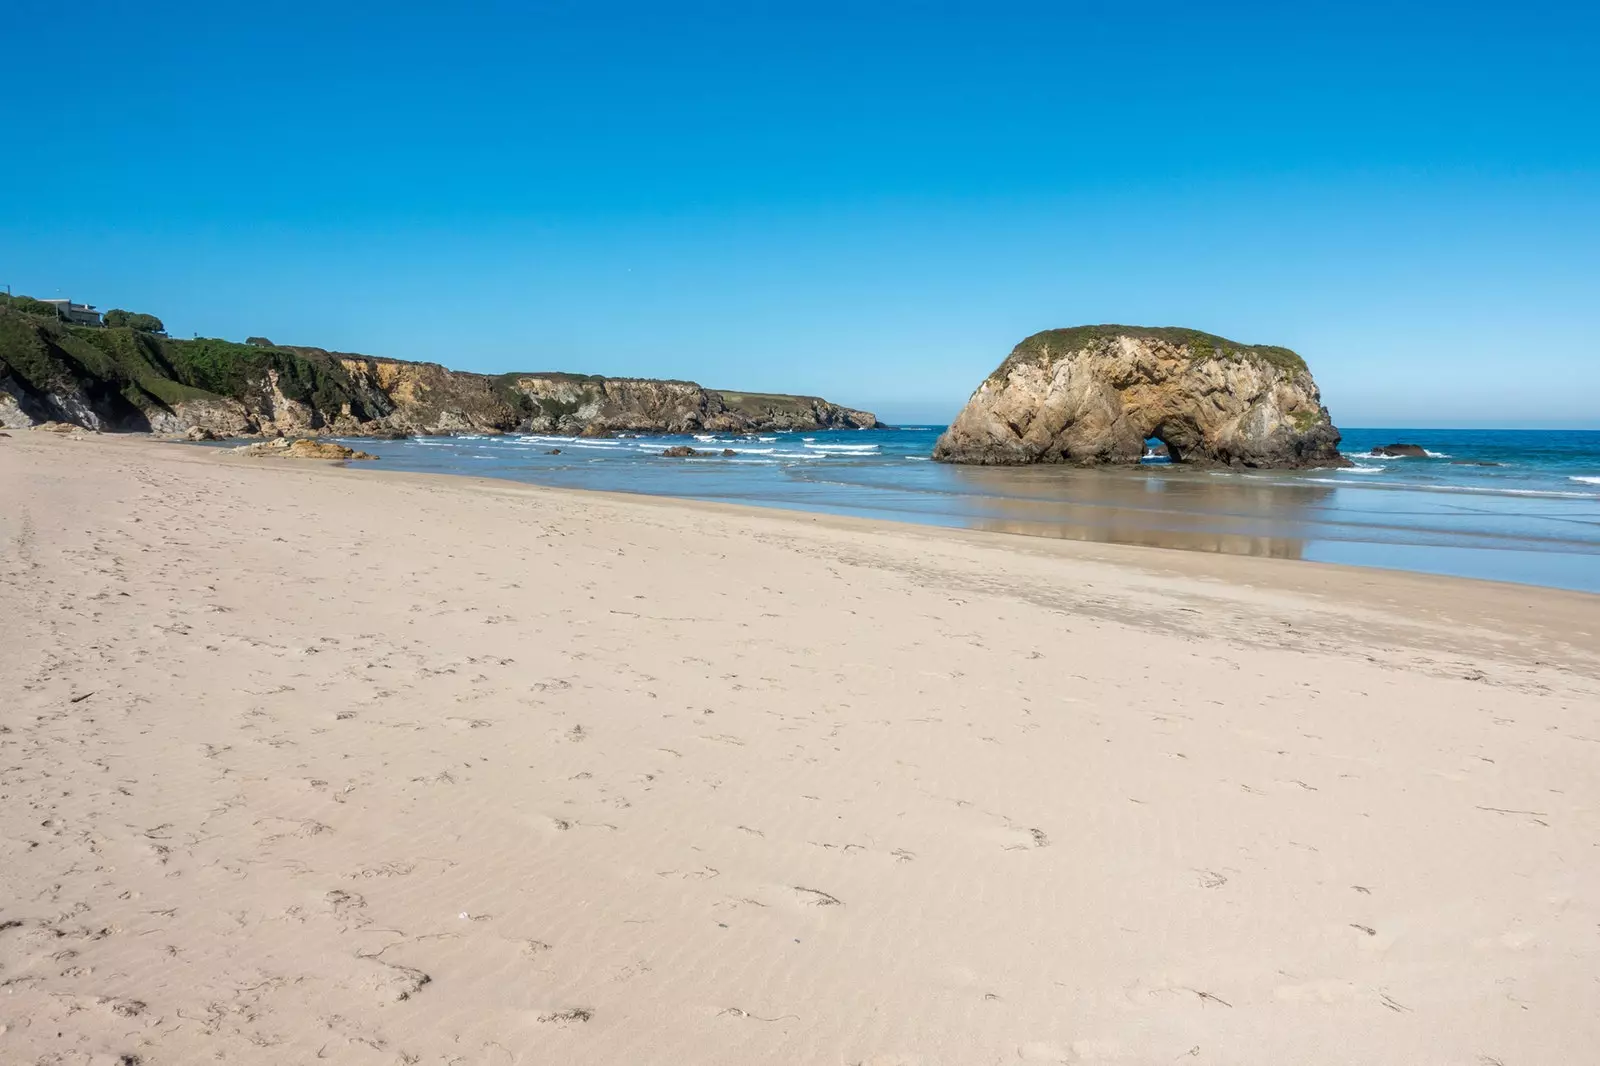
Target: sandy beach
(301,762)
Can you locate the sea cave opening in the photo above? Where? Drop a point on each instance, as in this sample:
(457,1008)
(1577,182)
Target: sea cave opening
(1158,452)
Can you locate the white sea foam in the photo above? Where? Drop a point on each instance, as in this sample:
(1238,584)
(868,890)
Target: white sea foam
(1361,470)
(1336,481)
(1539,492)
(734,462)
(570,442)
(1585,480)
(1464,490)
(860,448)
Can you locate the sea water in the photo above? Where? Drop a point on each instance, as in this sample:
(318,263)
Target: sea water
(1509,505)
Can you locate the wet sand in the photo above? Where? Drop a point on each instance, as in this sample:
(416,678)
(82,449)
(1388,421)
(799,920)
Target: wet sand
(302,762)
(1530,516)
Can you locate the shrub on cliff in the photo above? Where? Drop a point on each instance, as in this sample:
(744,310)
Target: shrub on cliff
(28,305)
(133,320)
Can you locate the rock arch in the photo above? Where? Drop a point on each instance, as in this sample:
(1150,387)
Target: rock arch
(1093,395)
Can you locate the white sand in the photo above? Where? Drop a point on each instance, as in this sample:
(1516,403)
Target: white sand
(300,762)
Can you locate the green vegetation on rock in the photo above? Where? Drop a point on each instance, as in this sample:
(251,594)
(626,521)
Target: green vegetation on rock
(1201,345)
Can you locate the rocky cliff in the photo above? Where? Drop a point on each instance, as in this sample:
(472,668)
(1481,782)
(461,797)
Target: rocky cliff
(1095,394)
(122,379)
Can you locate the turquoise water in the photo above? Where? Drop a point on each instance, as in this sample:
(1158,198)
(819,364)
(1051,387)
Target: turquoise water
(1508,505)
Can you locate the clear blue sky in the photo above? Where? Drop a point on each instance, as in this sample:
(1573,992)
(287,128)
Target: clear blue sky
(869,201)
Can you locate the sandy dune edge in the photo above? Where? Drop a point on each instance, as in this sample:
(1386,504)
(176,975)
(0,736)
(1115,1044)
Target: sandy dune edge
(300,762)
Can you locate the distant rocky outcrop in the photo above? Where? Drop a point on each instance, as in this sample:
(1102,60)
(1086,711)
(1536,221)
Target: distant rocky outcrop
(1095,394)
(125,379)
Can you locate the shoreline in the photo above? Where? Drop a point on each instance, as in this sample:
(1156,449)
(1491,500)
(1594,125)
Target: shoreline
(1564,616)
(1401,521)
(305,759)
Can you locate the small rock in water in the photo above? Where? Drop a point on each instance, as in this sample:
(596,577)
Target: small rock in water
(1402,451)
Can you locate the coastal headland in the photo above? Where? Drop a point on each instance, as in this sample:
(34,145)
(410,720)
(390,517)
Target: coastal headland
(313,762)
(137,380)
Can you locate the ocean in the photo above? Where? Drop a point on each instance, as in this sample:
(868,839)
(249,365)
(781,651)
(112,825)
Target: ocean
(1505,505)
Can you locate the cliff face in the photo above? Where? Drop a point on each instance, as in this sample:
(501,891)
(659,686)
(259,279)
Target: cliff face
(568,403)
(1095,394)
(121,379)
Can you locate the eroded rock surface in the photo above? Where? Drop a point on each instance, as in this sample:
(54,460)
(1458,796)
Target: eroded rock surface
(1095,394)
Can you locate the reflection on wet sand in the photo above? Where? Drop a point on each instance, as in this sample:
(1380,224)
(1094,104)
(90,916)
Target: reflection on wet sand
(1163,508)
(1186,540)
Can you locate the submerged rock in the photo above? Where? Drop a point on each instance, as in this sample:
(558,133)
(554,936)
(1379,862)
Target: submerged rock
(1094,395)
(683,451)
(302,448)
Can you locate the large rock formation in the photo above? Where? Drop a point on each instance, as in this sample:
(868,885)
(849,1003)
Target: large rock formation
(1095,394)
(123,379)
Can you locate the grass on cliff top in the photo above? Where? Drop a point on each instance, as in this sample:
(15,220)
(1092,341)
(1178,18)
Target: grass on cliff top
(754,403)
(1201,345)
